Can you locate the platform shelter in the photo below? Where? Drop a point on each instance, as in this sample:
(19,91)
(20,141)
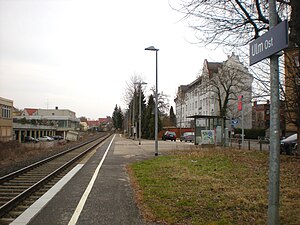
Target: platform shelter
(210,130)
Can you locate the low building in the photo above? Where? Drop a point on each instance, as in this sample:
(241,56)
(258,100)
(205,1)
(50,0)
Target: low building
(106,124)
(6,120)
(93,125)
(57,121)
(261,117)
(292,89)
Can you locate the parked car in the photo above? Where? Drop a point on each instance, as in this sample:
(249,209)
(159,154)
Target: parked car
(30,139)
(289,144)
(46,138)
(57,137)
(187,136)
(169,135)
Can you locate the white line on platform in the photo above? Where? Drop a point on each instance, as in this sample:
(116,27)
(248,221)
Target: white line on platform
(29,213)
(87,191)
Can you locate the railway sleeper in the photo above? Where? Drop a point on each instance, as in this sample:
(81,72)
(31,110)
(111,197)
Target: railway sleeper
(6,198)
(7,186)
(11,190)
(20,182)
(34,175)
(9,194)
(5,221)
(15,213)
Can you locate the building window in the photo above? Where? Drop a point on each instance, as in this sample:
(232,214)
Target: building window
(5,111)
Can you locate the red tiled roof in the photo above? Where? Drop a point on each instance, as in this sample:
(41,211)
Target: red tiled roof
(105,120)
(29,111)
(92,123)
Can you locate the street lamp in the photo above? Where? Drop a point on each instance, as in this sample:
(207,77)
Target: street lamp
(140,110)
(151,48)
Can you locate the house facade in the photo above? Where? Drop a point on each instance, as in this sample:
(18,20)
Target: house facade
(292,89)
(205,95)
(6,120)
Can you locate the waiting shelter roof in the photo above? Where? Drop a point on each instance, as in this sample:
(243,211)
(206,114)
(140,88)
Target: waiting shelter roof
(206,117)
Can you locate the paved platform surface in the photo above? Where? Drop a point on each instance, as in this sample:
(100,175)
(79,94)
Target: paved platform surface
(100,192)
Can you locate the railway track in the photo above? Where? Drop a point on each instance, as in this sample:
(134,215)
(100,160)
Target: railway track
(20,189)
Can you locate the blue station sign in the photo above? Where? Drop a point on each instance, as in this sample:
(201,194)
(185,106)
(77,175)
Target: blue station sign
(269,43)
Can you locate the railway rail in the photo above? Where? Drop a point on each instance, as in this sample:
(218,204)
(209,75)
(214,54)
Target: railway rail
(20,189)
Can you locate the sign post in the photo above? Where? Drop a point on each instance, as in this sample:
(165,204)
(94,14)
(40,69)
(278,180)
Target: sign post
(274,158)
(269,43)
(267,46)
(240,108)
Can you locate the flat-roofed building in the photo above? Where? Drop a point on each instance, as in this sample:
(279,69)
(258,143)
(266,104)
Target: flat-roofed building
(62,120)
(6,120)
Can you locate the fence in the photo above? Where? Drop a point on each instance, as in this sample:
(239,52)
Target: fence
(249,144)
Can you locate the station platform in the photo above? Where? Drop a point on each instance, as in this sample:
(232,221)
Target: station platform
(97,190)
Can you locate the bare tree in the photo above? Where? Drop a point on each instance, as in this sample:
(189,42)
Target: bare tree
(130,88)
(228,83)
(229,22)
(234,24)
(163,102)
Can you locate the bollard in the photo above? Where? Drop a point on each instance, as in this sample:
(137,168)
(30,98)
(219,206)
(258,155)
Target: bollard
(249,144)
(260,145)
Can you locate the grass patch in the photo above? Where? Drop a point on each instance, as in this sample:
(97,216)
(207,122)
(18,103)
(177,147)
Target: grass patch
(214,187)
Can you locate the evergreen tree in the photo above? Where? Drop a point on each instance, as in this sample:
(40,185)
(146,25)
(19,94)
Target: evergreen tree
(118,118)
(143,110)
(148,125)
(149,119)
(172,117)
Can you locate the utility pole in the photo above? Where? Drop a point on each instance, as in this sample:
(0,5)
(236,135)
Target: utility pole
(140,109)
(274,160)
(133,114)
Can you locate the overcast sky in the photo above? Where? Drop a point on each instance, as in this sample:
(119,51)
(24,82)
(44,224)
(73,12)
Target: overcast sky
(78,55)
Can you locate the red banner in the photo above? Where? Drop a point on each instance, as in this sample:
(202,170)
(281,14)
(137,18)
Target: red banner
(240,102)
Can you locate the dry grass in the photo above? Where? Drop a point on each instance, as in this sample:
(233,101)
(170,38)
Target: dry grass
(15,155)
(214,187)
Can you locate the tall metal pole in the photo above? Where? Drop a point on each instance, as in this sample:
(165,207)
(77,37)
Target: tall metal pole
(156,109)
(151,48)
(133,114)
(140,116)
(243,130)
(274,160)
(140,110)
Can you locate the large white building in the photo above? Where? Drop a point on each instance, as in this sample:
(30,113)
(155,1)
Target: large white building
(207,94)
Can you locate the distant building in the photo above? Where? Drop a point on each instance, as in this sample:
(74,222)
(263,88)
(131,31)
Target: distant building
(83,126)
(93,125)
(292,89)
(106,124)
(261,117)
(62,120)
(6,120)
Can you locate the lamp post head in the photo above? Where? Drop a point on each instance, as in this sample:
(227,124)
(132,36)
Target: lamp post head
(140,83)
(151,48)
